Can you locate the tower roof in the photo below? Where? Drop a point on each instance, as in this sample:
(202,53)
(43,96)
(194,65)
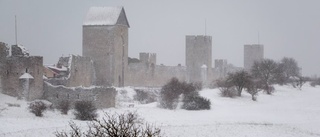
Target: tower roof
(106,16)
(26,76)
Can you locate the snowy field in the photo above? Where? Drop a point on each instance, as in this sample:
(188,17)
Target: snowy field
(288,112)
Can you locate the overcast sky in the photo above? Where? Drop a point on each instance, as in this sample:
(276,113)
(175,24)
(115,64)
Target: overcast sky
(288,28)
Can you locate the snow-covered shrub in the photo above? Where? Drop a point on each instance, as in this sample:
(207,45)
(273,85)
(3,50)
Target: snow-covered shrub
(37,108)
(117,125)
(197,85)
(193,101)
(144,96)
(169,96)
(64,106)
(314,83)
(85,110)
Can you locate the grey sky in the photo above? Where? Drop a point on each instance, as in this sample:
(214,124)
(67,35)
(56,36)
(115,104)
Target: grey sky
(287,27)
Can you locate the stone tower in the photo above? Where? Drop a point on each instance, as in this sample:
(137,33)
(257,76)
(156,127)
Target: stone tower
(12,70)
(252,53)
(198,53)
(148,58)
(105,41)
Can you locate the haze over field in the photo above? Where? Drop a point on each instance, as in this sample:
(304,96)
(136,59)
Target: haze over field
(289,112)
(287,28)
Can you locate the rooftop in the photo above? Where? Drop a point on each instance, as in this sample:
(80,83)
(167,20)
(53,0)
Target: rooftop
(105,16)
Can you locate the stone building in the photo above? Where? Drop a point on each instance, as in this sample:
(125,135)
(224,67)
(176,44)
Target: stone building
(198,53)
(105,41)
(21,74)
(73,71)
(252,53)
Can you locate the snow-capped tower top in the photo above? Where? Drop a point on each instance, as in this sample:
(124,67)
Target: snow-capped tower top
(106,16)
(26,76)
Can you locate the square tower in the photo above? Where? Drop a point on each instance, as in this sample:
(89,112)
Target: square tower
(148,58)
(105,41)
(198,54)
(252,53)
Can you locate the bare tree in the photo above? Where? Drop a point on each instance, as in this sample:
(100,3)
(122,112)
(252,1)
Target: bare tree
(265,71)
(298,82)
(239,80)
(290,67)
(117,125)
(253,87)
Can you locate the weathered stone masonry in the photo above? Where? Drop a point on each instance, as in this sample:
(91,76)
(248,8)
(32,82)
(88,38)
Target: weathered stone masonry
(12,67)
(103,97)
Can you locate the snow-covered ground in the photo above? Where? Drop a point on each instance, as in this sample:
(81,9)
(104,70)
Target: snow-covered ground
(288,112)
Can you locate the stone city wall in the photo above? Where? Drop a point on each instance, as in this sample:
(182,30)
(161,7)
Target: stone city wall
(103,97)
(16,66)
(143,74)
(81,72)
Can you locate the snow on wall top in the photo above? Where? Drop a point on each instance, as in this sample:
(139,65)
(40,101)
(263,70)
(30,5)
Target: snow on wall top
(24,49)
(26,76)
(63,68)
(102,16)
(204,66)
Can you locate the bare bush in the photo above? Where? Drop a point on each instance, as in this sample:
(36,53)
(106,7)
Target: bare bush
(85,110)
(64,106)
(226,88)
(37,108)
(298,82)
(315,82)
(117,125)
